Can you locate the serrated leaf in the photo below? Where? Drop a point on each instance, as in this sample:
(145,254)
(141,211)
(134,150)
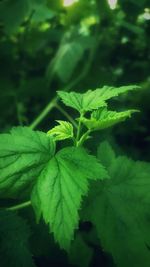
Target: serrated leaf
(60,188)
(23,155)
(102,119)
(14,241)
(62,131)
(119,208)
(108,92)
(92,99)
(82,102)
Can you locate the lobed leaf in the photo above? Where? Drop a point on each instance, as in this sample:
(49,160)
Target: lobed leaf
(60,188)
(82,102)
(92,99)
(102,119)
(108,92)
(119,208)
(23,155)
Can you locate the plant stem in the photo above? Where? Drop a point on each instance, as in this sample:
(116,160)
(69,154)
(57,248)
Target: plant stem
(78,131)
(66,115)
(67,88)
(19,206)
(83,138)
(44,113)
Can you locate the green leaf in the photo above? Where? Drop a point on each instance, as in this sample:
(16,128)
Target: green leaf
(108,92)
(62,131)
(59,190)
(101,119)
(82,102)
(66,59)
(14,241)
(92,99)
(42,13)
(23,155)
(119,208)
(106,154)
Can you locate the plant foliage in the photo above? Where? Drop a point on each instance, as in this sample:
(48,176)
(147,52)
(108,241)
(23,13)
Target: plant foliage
(58,179)
(59,190)
(23,155)
(62,131)
(119,208)
(103,118)
(93,99)
(61,202)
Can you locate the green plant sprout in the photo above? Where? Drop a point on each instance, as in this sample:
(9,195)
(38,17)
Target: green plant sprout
(57,181)
(100,117)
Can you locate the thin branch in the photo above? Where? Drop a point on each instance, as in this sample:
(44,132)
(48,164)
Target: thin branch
(44,113)
(66,115)
(19,206)
(68,87)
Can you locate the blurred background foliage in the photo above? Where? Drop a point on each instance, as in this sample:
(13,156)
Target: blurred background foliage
(50,45)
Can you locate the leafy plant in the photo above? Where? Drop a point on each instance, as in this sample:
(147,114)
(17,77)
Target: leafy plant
(56,180)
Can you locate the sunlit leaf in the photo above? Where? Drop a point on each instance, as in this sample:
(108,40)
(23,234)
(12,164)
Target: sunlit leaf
(62,131)
(82,102)
(95,99)
(59,190)
(103,118)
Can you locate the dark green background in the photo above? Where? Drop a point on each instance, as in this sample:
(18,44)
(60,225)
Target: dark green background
(45,47)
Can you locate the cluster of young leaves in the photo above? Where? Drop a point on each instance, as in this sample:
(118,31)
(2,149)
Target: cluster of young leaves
(119,208)
(96,102)
(58,180)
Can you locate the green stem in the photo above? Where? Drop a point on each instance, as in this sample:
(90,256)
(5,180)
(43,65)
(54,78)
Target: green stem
(19,206)
(67,88)
(66,115)
(78,131)
(83,138)
(44,113)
